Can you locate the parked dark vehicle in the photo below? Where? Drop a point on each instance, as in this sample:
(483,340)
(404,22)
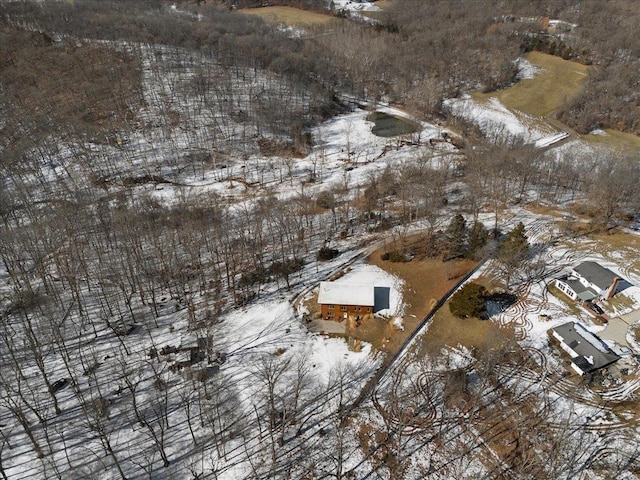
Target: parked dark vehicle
(595,308)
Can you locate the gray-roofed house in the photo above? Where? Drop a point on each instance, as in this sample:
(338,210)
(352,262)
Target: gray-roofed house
(587,351)
(588,281)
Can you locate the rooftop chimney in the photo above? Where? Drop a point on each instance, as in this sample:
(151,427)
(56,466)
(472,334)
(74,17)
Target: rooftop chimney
(612,289)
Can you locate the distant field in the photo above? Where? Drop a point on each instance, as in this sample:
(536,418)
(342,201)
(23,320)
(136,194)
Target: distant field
(383,5)
(293,17)
(615,139)
(557,82)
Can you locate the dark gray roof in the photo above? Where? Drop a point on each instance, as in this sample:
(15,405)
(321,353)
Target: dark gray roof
(596,274)
(582,292)
(592,352)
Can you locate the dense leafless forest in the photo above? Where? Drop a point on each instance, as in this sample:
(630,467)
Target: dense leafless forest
(420,52)
(103,103)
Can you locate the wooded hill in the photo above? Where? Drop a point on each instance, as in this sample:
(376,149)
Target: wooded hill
(418,54)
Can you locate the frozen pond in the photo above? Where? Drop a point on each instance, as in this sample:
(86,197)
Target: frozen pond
(386,125)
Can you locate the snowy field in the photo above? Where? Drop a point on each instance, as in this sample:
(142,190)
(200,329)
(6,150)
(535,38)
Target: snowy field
(497,121)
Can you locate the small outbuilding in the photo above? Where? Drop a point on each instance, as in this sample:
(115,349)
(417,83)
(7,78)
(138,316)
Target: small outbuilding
(587,351)
(340,301)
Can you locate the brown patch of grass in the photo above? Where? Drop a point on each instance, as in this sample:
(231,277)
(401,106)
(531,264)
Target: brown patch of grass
(616,240)
(617,303)
(425,282)
(557,82)
(615,139)
(571,306)
(489,283)
(542,209)
(313,306)
(87,86)
(290,16)
(579,229)
(374,330)
(385,4)
(274,148)
(446,330)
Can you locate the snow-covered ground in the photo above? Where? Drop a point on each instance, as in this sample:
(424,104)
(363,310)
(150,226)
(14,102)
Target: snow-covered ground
(355,6)
(264,356)
(526,69)
(497,121)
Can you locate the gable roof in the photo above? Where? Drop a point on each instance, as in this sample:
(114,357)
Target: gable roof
(591,352)
(339,293)
(596,274)
(583,293)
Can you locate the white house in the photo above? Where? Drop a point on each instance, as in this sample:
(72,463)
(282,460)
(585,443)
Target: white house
(589,280)
(587,351)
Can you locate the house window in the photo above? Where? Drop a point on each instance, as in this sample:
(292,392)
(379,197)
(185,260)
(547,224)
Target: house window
(329,314)
(331,307)
(343,308)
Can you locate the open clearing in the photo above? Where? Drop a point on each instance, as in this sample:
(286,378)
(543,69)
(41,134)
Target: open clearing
(557,81)
(447,330)
(532,101)
(615,139)
(617,247)
(292,17)
(425,282)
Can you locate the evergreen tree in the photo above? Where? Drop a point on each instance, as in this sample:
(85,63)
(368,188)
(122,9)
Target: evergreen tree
(455,238)
(469,301)
(478,238)
(513,251)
